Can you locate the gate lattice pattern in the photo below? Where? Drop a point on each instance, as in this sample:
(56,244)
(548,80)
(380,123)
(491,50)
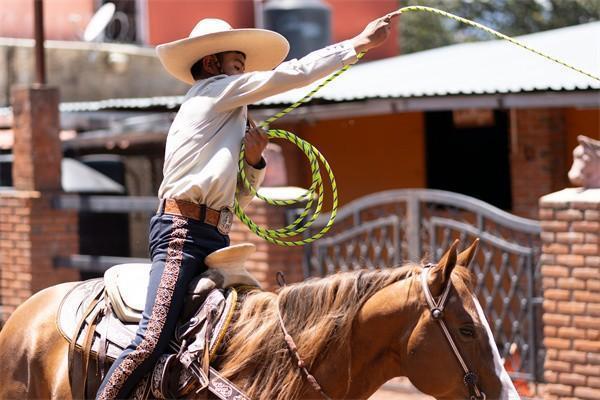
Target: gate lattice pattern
(387,228)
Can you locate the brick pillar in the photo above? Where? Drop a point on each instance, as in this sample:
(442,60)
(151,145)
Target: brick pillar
(570,222)
(269,258)
(537,156)
(32,233)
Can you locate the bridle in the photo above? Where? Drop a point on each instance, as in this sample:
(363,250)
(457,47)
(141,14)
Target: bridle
(437,313)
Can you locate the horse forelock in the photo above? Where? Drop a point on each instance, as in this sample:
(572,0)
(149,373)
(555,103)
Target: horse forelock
(318,314)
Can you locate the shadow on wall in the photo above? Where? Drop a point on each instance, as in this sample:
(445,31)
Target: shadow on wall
(88,71)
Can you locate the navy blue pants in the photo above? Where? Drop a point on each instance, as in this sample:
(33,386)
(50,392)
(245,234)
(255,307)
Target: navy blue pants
(178,247)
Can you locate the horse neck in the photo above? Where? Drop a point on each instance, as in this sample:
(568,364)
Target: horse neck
(379,337)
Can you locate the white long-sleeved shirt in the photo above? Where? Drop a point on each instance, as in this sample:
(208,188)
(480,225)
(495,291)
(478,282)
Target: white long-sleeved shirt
(204,141)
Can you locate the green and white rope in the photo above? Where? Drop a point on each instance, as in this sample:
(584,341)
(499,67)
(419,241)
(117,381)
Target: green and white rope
(316,189)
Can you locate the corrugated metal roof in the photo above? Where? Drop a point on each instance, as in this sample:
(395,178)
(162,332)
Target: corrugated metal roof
(489,67)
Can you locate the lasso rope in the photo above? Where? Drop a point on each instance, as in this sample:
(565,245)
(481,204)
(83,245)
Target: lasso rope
(301,224)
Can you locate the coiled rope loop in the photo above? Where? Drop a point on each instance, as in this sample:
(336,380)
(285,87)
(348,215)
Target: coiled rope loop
(316,192)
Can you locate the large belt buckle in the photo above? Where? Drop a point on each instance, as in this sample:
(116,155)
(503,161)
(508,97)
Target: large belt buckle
(225,220)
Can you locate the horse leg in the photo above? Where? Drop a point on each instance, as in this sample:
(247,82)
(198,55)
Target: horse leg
(33,353)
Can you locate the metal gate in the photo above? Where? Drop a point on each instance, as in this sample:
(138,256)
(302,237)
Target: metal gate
(388,228)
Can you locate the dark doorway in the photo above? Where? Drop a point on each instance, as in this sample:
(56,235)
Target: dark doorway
(469,159)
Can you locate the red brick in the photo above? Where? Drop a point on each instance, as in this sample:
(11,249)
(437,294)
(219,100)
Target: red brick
(592,334)
(555,271)
(552,353)
(593,381)
(589,370)
(592,261)
(587,345)
(571,307)
(550,331)
(569,215)
(586,296)
(554,226)
(593,309)
(547,259)
(546,213)
(549,283)
(561,390)
(568,332)
(586,273)
(548,237)
(592,284)
(571,260)
(557,366)
(585,205)
(587,249)
(572,356)
(555,248)
(570,237)
(586,226)
(558,343)
(557,294)
(592,215)
(571,379)
(549,306)
(586,321)
(570,283)
(587,393)
(593,358)
(550,376)
(592,238)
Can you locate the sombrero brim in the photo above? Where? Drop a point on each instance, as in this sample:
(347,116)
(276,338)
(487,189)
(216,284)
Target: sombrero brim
(264,50)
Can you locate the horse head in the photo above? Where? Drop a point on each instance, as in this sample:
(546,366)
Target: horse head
(450,352)
(351,332)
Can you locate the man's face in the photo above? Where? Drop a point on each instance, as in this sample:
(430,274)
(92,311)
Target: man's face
(233,63)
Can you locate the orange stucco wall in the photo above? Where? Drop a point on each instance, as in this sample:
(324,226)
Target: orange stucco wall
(63,19)
(351,17)
(367,154)
(175,19)
(580,122)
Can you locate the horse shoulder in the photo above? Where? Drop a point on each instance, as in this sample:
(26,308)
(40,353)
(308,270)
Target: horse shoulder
(32,346)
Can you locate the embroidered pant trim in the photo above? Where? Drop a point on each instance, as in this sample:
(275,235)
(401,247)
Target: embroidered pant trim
(178,247)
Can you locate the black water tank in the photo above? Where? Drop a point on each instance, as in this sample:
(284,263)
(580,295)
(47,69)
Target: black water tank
(306,24)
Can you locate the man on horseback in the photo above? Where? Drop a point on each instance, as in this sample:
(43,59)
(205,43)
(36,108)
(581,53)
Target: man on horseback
(229,69)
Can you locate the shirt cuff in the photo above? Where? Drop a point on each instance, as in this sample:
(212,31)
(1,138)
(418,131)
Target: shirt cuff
(347,52)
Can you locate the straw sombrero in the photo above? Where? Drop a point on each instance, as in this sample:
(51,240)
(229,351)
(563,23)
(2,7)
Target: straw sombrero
(264,49)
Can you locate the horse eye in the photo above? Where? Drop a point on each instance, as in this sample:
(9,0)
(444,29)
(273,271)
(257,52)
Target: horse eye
(468,331)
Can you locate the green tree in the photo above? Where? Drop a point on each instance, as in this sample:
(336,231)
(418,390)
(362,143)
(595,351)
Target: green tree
(421,30)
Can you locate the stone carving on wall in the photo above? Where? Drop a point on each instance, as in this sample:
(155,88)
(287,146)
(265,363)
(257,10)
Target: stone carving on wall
(585,170)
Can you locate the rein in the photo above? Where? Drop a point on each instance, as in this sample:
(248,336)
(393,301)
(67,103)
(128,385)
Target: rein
(437,313)
(303,222)
(294,350)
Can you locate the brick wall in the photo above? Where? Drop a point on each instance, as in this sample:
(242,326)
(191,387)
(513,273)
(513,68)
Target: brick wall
(32,232)
(537,156)
(31,235)
(269,258)
(570,222)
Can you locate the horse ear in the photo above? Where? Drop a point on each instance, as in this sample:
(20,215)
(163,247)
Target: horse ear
(443,269)
(467,255)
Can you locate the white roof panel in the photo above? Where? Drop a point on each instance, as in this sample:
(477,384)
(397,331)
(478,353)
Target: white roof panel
(495,66)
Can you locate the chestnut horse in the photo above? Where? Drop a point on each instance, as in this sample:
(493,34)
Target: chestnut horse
(354,331)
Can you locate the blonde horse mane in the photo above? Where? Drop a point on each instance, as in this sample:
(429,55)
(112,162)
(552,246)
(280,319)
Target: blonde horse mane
(318,314)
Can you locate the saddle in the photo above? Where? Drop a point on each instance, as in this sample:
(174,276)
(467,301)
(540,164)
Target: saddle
(99,318)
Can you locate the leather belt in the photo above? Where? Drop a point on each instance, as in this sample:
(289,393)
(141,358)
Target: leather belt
(221,219)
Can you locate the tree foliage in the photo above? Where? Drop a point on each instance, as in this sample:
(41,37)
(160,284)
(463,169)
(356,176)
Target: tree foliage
(422,30)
